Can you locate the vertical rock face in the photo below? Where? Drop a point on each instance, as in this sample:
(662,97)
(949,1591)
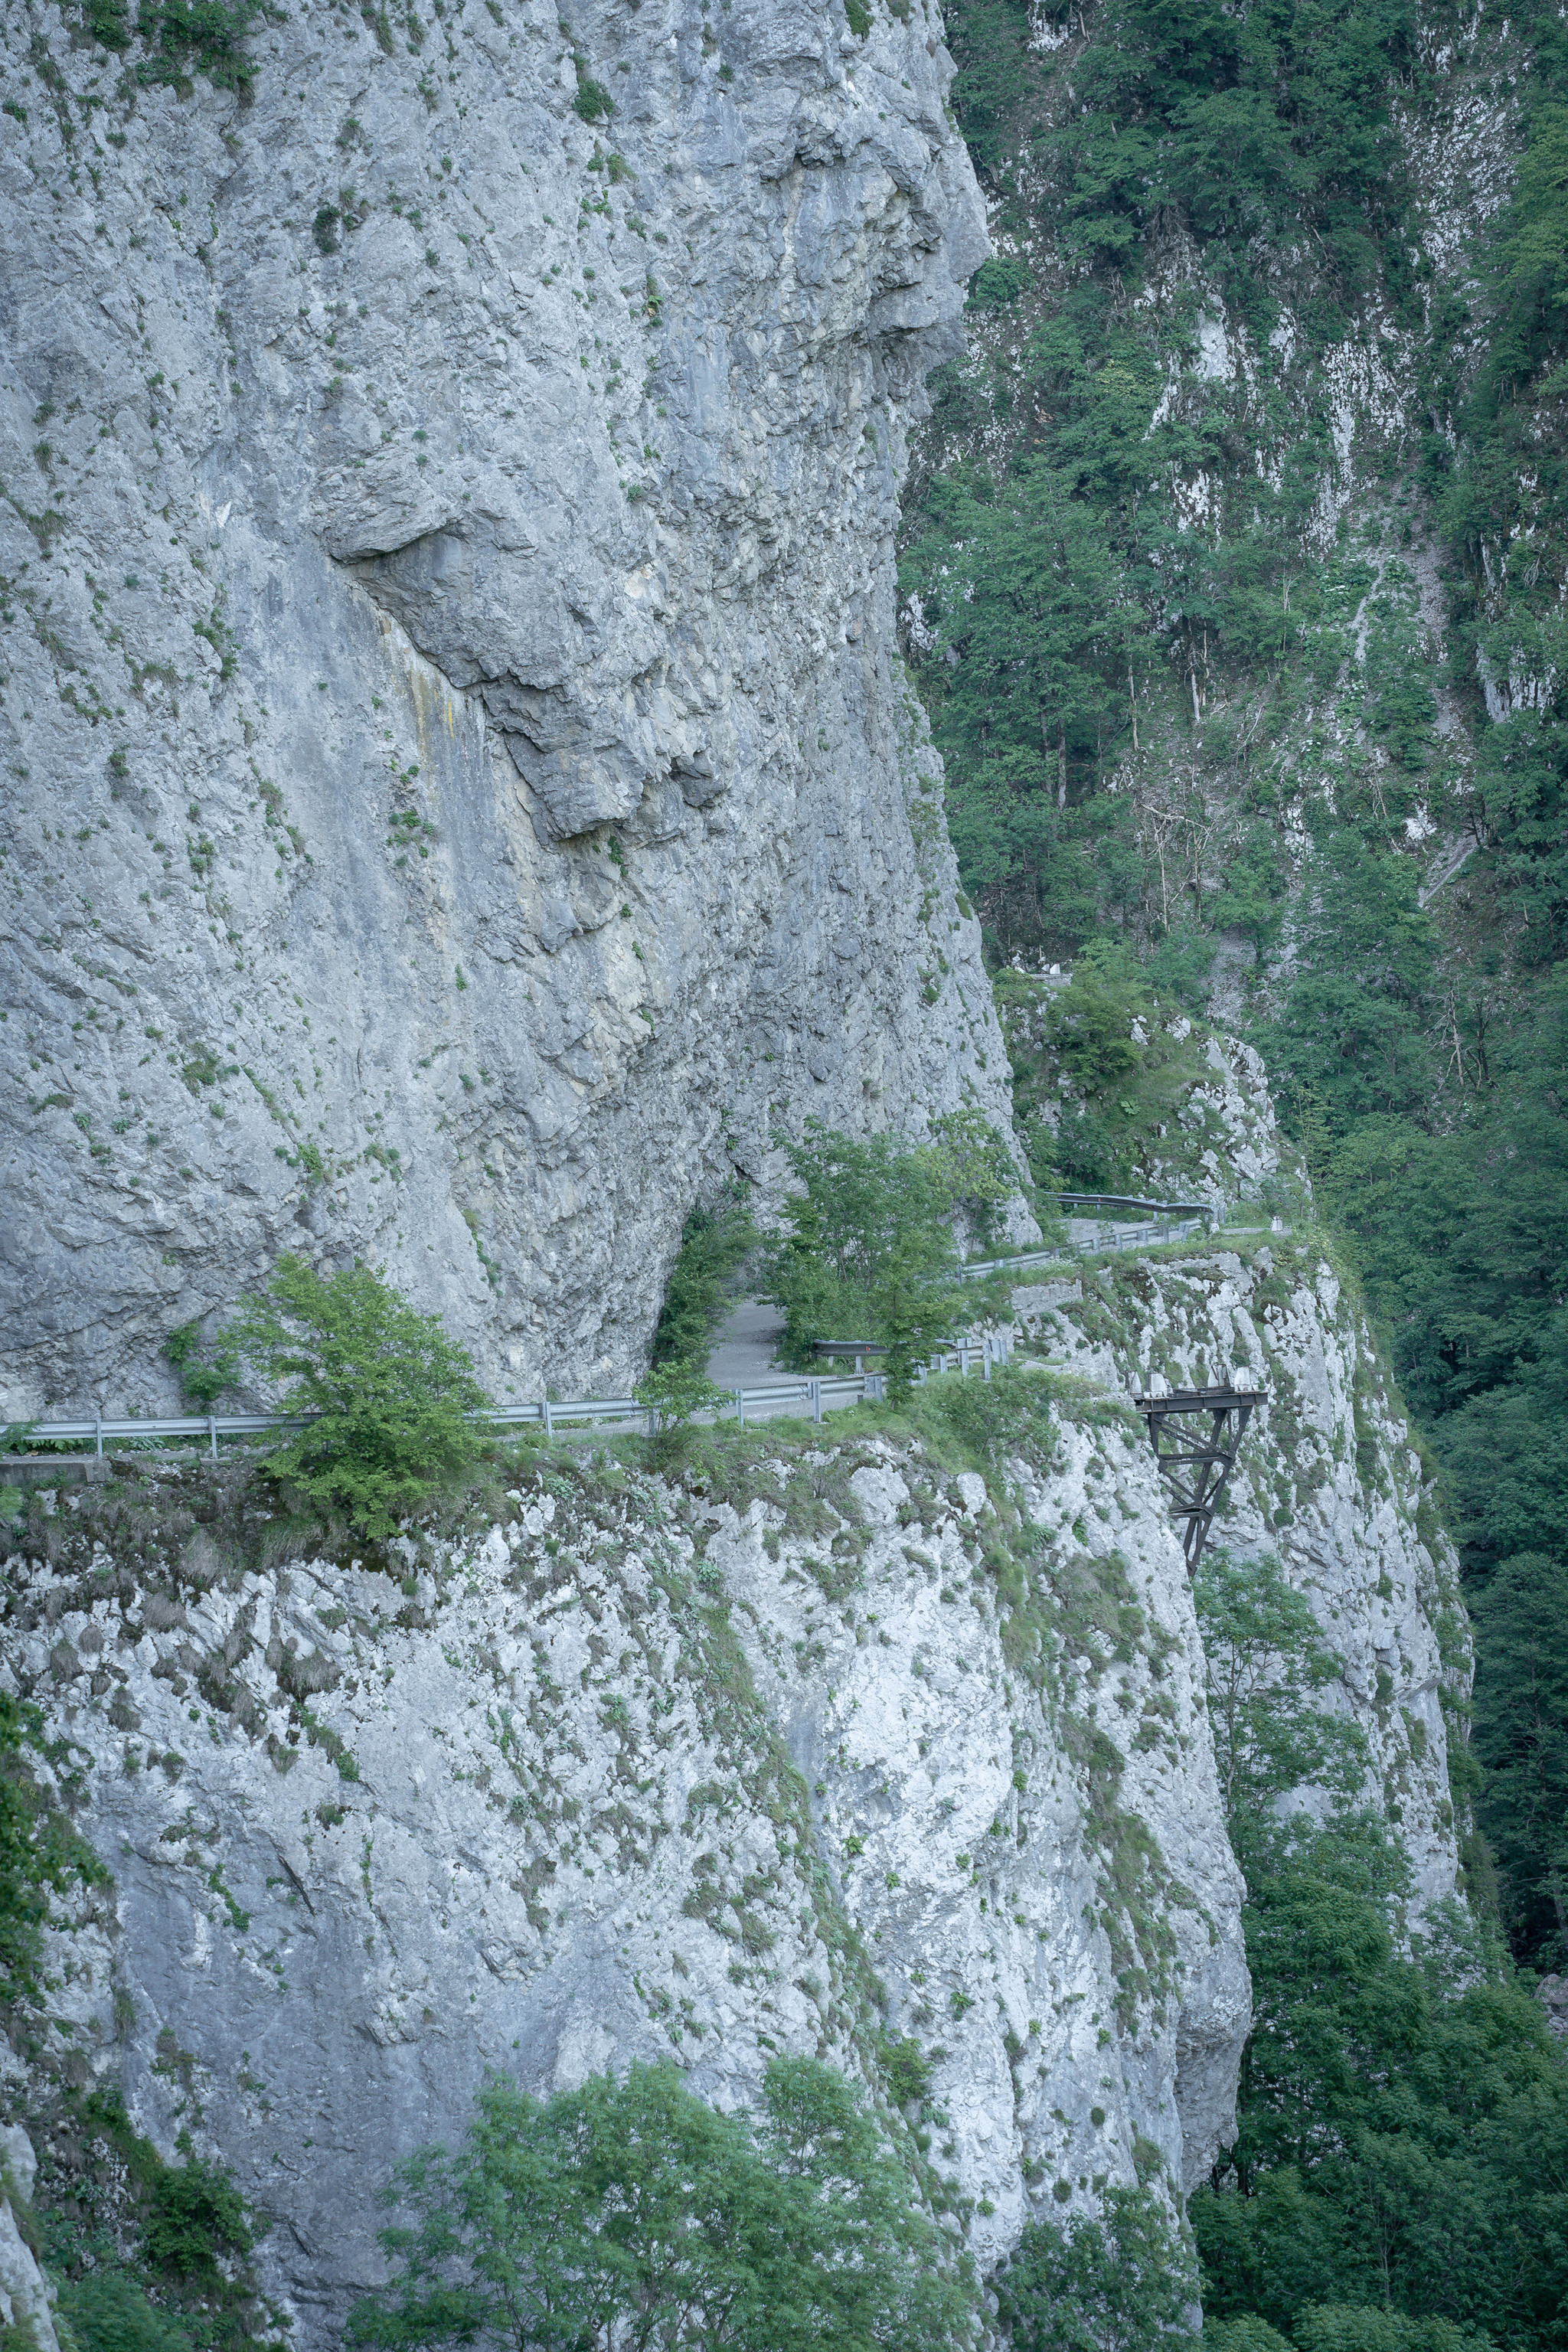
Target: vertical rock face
(462,798)
(1328,1481)
(861,1757)
(25,2302)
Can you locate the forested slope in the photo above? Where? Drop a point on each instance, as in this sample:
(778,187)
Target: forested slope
(1233,578)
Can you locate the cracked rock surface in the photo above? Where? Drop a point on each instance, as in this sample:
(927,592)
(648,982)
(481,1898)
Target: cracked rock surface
(860,1750)
(1328,1480)
(462,797)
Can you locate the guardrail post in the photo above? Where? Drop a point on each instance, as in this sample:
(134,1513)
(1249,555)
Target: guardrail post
(98,1435)
(741,1408)
(548,1425)
(211,1434)
(816,1388)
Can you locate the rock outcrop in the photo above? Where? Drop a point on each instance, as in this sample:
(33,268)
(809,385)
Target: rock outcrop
(462,797)
(26,2304)
(1328,1481)
(868,1760)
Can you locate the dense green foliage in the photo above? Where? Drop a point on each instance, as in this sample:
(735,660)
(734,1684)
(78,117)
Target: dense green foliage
(1123,2281)
(389,1395)
(1140,552)
(107,2311)
(869,1246)
(630,2212)
(714,1245)
(1521,1736)
(1176,709)
(1403,2139)
(41,1855)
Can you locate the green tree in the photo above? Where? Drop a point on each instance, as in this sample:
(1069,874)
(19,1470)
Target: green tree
(389,1397)
(674,1395)
(1122,2281)
(867,1248)
(41,1853)
(1403,2142)
(714,1245)
(1266,1664)
(631,2213)
(1521,1736)
(1346,2327)
(1354,1031)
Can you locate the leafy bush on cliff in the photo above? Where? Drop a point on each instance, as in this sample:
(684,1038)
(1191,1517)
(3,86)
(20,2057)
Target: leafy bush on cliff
(181,37)
(109,2312)
(390,1395)
(869,1246)
(1122,2282)
(1266,1665)
(631,2213)
(41,1854)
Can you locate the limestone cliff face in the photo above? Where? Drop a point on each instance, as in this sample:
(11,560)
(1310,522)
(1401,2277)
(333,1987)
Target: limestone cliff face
(461,797)
(629,1771)
(1328,1480)
(26,2304)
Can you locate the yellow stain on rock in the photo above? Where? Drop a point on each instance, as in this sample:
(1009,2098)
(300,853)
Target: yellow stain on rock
(435,706)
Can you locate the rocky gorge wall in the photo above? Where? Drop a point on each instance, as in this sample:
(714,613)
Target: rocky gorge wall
(839,1748)
(836,1746)
(1328,1481)
(456,760)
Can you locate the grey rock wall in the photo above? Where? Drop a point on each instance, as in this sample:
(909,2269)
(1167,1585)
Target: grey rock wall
(27,2303)
(1328,1481)
(639,1772)
(461,794)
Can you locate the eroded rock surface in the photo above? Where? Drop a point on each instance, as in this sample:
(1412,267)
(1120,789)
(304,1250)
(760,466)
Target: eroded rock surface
(461,794)
(1328,1481)
(860,1753)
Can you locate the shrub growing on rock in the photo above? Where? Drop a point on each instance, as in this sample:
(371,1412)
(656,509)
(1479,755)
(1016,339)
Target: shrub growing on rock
(869,1246)
(631,2213)
(390,1396)
(108,2312)
(41,1854)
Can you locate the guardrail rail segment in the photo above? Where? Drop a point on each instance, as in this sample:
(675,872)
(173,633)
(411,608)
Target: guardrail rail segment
(817,1392)
(1171,1220)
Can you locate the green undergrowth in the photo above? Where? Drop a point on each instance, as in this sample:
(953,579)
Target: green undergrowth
(1064,1618)
(1112,1086)
(173,40)
(1101,1053)
(147,2255)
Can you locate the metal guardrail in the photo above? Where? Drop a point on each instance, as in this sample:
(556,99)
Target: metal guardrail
(1152,1233)
(816,1393)
(1123,1201)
